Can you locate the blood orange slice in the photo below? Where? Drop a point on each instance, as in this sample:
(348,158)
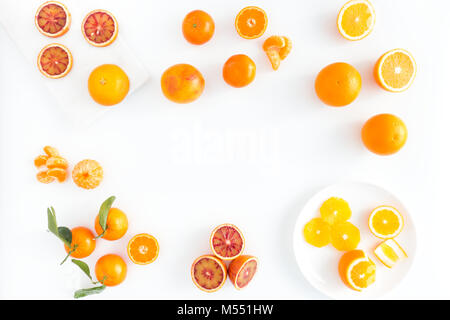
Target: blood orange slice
(100,28)
(208,273)
(241,270)
(55,61)
(227,241)
(52,19)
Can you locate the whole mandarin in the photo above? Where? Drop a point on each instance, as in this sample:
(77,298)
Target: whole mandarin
(182,83)
(116,225)
(239,71)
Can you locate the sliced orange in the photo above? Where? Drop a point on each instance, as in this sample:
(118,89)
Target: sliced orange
(345,236)
(209,273)
(227,241)
(356,19)
(56,162)
(143,249)
(335,210)
(389,252)
(40,161)
(100,28)
(52,19)
(57,173)
(251,22)
(43,177)
(386,222)
(55,61)
(317,232)
(87,174)
(277,48)
(356,270)
(395,70)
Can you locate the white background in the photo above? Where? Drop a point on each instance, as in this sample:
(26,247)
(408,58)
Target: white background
(249,156)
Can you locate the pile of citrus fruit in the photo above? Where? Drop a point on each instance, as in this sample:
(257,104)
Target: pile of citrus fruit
(110,224)
(209,271)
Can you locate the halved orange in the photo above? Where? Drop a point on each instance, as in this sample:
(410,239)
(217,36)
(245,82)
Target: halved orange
(52,19)
(251,22)
(209,273)
(143,249)
(277,48)
(55,61)
(345,236)
(395,70)
(356,270)
(386,222)
(227,241)
(100,28)
(356,19)
(241,270)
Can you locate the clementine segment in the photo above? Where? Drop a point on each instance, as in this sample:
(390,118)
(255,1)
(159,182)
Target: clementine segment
(56,162)
(239,71)
(317,232)
(111,270)
(40,161)
(83,243)
(277,48)
(143,249)
(198,27)
(87,174)
(108,84)
(251,22)
(52,19)
(116,225)
(58,173)
(43,177)
(182,83)
(100,28)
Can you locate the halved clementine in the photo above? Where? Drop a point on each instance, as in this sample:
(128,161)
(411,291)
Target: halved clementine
(395,70)
(55,61)
(277,48)
(356,19)
(52,19)
(100,28)
(143,249)
(209,273)
(227,241)
(251,22)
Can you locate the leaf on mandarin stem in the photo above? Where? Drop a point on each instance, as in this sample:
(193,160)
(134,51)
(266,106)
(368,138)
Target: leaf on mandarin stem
(83,266)
(104,210)
(63,233)
(87,292)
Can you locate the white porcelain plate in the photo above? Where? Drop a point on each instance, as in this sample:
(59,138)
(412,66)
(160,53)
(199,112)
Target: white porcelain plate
(320,265)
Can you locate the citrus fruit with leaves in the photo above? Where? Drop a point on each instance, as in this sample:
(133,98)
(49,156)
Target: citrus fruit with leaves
(395,70)
(87,174)
(52,19)
(100,28)
(182,83)
(209,273)
(111,270)
(317,232)
(89,291)
(56,162)
(241,270)
(356,270)
(356,19)
(55,61)
(110,223)
(251,22)
(108,84)
(198,27)
(227,241)
(82,244)
(143,249)
(239,71)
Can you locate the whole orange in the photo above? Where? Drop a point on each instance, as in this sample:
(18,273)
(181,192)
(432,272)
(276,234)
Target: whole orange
(108,84)
(338,84)
(83,243)
(182,83)
(384,134)
(239,71)
(198,27)
(116,225)
(111,270)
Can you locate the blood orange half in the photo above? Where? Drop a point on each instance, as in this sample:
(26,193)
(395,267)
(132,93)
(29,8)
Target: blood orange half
(227,241)
(241,270)
(52,19)
(55,61)
(100,28)
(209,273)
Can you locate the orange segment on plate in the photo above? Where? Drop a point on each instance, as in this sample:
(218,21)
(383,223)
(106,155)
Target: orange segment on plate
(345,236)
(335,210)
(395,70)
(385,222)
(227,241)
(251,22)
(54,61)
(209,273)
(317,232)
(389,252)
(241,270)
(87,174)
(143,249)
(100,28)
(52,19)
(356,19)
(356,270)
(277,48)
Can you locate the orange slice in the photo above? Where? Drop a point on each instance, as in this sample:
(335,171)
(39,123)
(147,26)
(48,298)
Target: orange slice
(317,232)
(43,177)
(345,236)
(356,19)
(40,161)
(335,210)
(389,252)
(356,270)
(395,70)
(57,173)
(385,222)
(87,174)
(52,19)
(251,22)
(56,162)
(277,48)
(100,28)
(143,249)
(227,241)
(55,61)
(209,273)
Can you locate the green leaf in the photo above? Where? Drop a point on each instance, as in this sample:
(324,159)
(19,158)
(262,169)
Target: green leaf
(83,266)
(52,225)
(87,292)
(65,235)
(104,210)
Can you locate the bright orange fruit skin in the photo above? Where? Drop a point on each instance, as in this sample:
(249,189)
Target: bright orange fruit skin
(108,84)
(384,134)
(345,261)
(117,225)
(85,241)
(239,71)
(338,84)
(198,27)
(111,270)
(182,83)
